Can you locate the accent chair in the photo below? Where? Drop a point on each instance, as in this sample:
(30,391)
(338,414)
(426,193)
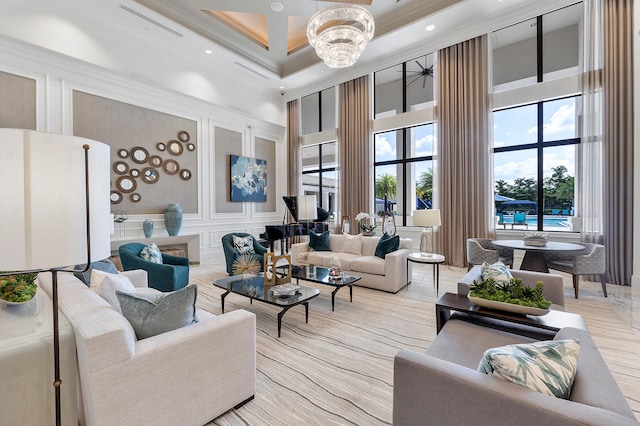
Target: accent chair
(231,254)
(172,274)
(590,262)
(480,250)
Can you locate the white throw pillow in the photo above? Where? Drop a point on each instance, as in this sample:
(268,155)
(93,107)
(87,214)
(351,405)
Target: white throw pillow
(352,244)
(243,245)
(106,284)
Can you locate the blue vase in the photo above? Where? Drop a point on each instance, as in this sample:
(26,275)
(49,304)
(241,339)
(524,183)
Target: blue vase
(147,228)
(173,219)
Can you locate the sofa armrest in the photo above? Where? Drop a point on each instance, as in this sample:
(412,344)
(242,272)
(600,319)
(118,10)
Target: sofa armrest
(138,277)
(296,249)
(210,364)
(395,268)
(429,390)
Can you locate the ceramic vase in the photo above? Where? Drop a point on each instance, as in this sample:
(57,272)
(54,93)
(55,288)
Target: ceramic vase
(173,219)
(147,228)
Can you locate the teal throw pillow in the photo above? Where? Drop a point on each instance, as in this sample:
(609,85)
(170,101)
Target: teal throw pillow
(319,242)
(243,245)
(498,271)
(151,317)
(548,367)
(104,265)
(151,253)
(387,244)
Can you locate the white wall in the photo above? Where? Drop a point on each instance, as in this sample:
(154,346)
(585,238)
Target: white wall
(57,76)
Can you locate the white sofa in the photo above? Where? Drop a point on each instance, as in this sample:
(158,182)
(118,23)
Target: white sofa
(187,376)
(388,274)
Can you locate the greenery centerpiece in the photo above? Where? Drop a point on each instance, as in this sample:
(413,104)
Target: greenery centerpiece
(18,288)
(512,291)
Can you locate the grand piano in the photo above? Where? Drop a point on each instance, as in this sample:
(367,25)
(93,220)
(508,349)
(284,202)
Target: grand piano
(285,232)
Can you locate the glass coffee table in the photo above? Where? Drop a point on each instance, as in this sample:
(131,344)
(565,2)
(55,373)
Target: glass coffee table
(254,289)
(321,276)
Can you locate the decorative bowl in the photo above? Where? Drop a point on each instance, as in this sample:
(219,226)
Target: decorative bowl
(285,289)
(508,307)
(534,241)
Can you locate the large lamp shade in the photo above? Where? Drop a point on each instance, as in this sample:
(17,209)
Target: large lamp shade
(43,214)
(427,218)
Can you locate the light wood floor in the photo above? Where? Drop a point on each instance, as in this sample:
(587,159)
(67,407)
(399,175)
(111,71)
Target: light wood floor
(338,368)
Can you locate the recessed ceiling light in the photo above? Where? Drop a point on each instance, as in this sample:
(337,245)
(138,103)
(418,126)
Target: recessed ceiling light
(276,6)
(431,27)
(208,51)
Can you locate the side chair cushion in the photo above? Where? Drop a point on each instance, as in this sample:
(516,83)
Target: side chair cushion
(157,314)
(498,271)
(104,265)
(243,245)
(106,285)
(151,253)
(319,242)
(548,366)
(387,244)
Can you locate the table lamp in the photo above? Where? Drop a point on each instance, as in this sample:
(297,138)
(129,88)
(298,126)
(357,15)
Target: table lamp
(427,218)
(49,220)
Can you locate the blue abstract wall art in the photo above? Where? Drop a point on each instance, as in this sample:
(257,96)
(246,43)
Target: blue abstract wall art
(248,179)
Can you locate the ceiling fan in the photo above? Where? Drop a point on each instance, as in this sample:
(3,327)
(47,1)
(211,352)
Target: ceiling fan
(424,73)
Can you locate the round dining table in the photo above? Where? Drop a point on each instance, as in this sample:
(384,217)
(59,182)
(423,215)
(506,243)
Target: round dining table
(534,256)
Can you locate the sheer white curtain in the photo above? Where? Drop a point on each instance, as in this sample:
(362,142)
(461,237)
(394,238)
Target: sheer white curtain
(591,157)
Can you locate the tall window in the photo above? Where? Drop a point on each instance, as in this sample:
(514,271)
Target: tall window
(403,167)
(319,157)
(535,143)
(319,173)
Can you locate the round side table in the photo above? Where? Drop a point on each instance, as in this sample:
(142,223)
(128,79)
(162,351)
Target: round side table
(434,259)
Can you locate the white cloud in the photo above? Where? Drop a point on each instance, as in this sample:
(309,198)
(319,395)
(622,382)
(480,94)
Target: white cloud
(561,121)
(383,148)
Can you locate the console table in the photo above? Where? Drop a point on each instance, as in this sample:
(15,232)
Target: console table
(189,243)
(26,364)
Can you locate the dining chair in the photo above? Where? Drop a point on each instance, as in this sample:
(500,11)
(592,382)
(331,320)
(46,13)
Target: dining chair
(590,262)
(480,250)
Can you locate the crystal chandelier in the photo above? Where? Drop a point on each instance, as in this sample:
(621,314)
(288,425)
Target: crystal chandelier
(340,33)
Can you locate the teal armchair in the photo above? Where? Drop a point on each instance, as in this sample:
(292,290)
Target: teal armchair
(231,254)
(171,275)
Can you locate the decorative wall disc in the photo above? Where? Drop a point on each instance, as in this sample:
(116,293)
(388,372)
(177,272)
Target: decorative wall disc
(171,167)
(185,174)
(160,146)
(183,136)
(123,153)
(191,147)
(134,172)
(135,197)
(155,161)
(115,197)
(139,155)
(120,167)
(175,148)
(126,184)
(150,175)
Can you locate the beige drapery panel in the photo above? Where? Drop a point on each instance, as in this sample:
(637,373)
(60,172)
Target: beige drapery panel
(617,78)
(463,117)
(293,145)
(354,148)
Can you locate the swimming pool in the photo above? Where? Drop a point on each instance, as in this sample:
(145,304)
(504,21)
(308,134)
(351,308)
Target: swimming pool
(560,222)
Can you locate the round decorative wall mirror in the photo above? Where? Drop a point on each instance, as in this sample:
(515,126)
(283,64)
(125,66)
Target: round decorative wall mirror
(123,153)
(175,148)
(171,167)
(139,155)
(120,167)
(161,146)
(115,197)
(126,184)
(150,175)
(185,174)
(183,136)
(155,161)
(135,197)
(134,172)
(191,147)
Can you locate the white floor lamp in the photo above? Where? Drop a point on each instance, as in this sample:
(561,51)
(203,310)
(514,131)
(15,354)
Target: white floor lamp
(427,218)
(55,213)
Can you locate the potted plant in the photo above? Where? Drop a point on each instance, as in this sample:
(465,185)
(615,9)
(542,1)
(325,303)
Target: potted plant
(511,292)
(18,288)
(365,222)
